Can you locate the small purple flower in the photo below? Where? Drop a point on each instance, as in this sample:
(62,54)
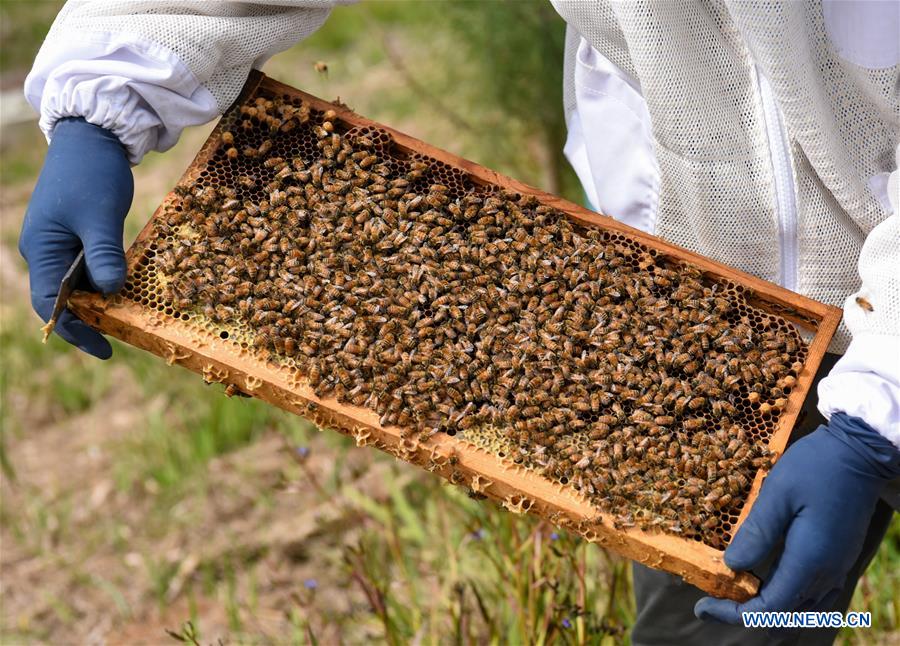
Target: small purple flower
(566,623)
(302,451)
(479,533)
(554,536)
(310,584)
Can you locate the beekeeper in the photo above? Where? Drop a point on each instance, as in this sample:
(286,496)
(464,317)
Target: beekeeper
(760,134)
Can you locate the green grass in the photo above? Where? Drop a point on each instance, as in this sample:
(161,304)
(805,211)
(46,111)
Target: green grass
(879,590)
(23,25)
(71,385)
(435,563)
(22,163)
(170,449)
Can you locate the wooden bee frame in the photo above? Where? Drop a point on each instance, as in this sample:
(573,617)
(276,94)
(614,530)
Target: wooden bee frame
(221,360)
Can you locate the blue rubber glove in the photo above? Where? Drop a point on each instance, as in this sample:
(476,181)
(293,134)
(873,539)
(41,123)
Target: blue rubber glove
(818,499)
(81,199)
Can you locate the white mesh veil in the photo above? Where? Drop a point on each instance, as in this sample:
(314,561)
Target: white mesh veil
(696,65)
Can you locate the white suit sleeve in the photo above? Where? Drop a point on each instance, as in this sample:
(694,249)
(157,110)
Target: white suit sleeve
(609,143)
(147,69)
(865,383)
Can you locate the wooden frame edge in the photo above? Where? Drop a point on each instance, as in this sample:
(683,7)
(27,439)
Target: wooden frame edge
(518,489)
(698,564)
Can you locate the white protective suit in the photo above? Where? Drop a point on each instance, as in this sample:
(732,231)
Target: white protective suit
(759,133)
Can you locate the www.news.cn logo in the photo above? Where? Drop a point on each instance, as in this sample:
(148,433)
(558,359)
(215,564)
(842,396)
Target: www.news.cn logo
(807,620)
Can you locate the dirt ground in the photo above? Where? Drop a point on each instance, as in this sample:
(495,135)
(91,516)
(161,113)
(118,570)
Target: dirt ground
(288,535)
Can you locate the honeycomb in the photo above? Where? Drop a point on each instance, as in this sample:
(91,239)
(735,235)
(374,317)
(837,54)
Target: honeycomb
(757,414)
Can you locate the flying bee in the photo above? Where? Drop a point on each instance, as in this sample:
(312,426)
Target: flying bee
(321,67)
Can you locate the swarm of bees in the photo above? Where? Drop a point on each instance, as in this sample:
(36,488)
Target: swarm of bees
(605,366)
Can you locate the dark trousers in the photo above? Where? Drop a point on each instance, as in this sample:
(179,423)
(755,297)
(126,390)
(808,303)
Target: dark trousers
(665,603)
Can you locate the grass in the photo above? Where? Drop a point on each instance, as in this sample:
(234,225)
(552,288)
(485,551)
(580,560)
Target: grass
(879,590)
(556,588)
(23,25)
(140,503)
(70,386)
(169,458)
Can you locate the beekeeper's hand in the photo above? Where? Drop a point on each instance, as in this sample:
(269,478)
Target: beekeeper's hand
(81,198)
(818,499)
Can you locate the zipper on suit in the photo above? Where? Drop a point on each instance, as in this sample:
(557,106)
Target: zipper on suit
(785,197)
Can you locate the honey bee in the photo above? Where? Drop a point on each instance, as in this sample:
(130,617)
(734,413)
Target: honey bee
(392,288)
(864,304)
(232,390)
(694,423)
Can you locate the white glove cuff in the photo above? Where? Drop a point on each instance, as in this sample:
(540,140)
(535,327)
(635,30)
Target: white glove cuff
(136,88)
(865,383)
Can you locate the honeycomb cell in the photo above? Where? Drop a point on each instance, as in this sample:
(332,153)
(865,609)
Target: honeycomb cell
(638,266)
